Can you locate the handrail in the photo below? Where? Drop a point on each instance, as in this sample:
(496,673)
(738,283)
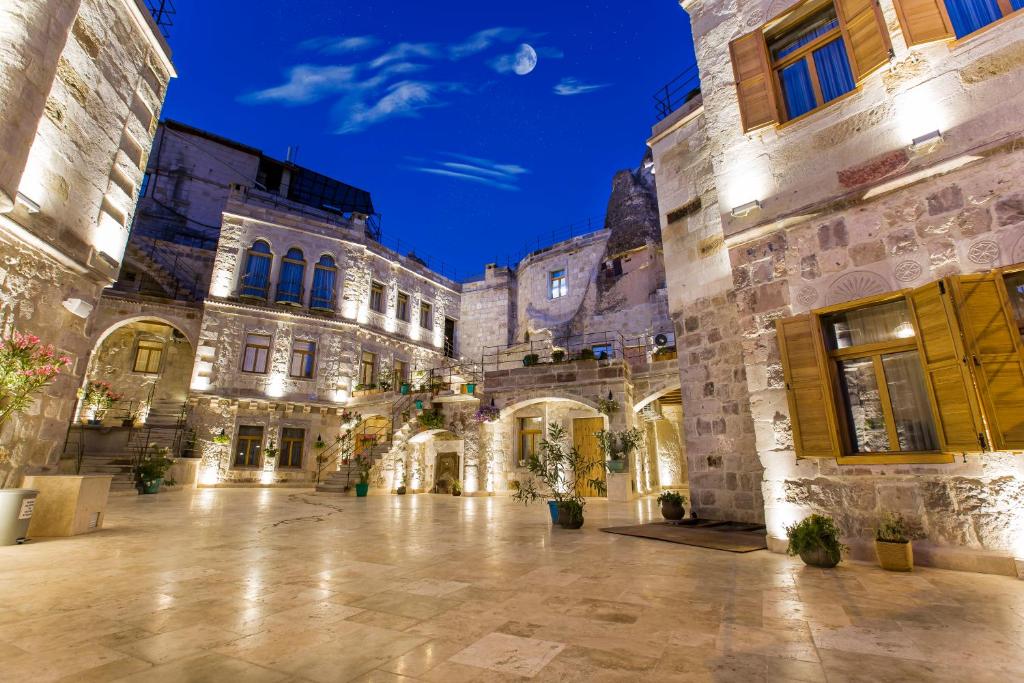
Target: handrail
(175,266)
(677,92)
(603,345)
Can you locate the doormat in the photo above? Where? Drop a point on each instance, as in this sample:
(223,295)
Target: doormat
(733,537)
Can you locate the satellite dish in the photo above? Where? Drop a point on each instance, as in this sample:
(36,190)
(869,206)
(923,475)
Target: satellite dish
(661,340)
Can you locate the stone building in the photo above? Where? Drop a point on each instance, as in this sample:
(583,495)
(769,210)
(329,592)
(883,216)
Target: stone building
(843,228)
(81,87)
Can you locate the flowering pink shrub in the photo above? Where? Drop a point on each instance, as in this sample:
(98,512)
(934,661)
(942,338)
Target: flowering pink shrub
(26,366)
(99,396)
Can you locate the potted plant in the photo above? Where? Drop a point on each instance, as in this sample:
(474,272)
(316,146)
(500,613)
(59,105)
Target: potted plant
(607,406)
(384,385)
(456,488)
(557,356)
(892,544)
(665,353)
(271,453)
(153,468)
(618,445)
(673,505)
(431,419)
(365,465)
(470,387)
(98,397)
(222,439)
(26,366)
(401,490)
(558,473)
(486,414)
(586,354)
(530,359)
(816,541)
(404,387)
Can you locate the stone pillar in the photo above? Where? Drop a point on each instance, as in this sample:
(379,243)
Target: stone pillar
(33,34)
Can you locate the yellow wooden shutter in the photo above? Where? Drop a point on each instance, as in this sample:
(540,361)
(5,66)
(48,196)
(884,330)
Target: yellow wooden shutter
(808,388)
(865,34)
(994,346)
(753,81)
(950,386)
(923,21)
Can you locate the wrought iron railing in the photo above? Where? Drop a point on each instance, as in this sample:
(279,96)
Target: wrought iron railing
(677,92)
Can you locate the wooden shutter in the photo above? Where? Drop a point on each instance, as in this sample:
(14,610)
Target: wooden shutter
(923,21)
(948,379)
(754,81)
(808,387)
(865,35)
(997,359)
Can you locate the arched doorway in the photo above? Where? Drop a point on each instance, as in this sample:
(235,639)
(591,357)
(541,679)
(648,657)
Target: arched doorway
(660,415)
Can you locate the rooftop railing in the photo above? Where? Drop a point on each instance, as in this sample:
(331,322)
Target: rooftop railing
(586,346)
(677,92)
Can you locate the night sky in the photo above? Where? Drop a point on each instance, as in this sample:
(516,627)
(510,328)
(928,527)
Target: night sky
(421,104)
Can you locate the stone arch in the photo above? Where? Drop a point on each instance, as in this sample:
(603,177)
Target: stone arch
(546,397)
(656,391)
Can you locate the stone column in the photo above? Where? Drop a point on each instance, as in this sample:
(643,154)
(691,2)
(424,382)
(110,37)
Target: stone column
(32,37)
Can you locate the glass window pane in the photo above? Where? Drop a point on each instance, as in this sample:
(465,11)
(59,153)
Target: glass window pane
(869,325)
(797,91)
(970,15)
(864,413)
(803,33)
(1015,288)
(910,406)
(833,67)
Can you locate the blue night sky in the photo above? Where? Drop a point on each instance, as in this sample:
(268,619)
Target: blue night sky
(421,104)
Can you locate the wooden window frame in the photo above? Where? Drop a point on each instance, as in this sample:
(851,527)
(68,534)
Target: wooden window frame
(402,298)
(251,253)
(374,364)
(288,446)
(302,281)
(304,353)
(536,434)
(378,291)
(804,53)
(428,308)
(245,351)
(139,347)
(1005,7)
(315,303)
(249,439)
(553,281)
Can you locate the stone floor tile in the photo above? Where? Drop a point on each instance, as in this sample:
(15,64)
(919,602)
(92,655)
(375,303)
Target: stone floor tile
(206,668)
(509,654)
(185,642)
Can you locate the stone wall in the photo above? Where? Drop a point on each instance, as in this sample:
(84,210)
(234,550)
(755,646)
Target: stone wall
(488,313)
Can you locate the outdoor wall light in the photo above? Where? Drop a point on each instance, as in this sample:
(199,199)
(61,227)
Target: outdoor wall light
(80,308)
(29,205)
(746,209)
(927,139)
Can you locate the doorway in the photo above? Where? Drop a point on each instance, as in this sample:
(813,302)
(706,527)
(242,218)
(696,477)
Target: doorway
(585,441)
(446,472)
(449,338)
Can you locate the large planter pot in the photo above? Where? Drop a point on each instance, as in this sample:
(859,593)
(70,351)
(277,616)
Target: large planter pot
(617,466)
(673,511)
(819,557)
(362,490)
(567,521)
(553,509)
(404,389)
(895,557)
(151,487)
(456,493)
(401,490)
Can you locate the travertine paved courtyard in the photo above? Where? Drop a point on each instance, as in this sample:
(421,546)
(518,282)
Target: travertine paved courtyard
(272,585)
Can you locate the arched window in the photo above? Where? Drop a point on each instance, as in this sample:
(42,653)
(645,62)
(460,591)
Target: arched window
(256,279)
(293,271)
(325,273)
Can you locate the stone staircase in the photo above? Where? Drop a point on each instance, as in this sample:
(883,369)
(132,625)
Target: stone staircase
(170,271)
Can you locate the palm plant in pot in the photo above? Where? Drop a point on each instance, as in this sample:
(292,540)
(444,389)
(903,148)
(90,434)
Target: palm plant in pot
(618,445)
(558,473)
(892,544)
(673,505)
(364,465)
(456,488)
(816,541)
(152,469)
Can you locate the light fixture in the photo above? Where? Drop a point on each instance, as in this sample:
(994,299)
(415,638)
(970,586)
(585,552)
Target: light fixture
(610,397)
(29,205)
(492,402)
(746,209)
(80,308)
(927,139)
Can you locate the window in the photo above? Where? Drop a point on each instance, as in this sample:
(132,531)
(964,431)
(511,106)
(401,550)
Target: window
(426,316)
(148,355)
(256,353)
(325,274)
(602,351)
(908,377)
(247,449)
(292,440)
(810,63)
(368,369)
(401,372)
(293,272)
(144,189)
(303,359)
(531,430)
(967,16)
(377,297)
(402,310)
(1014,283)
(256,279)
(559,285)
(807,58)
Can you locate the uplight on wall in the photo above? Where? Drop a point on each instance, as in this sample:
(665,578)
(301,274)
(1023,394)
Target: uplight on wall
(746,209)
(926,140)
(29,205)
(80,308)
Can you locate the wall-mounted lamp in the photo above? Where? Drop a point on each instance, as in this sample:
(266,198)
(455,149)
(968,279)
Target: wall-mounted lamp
(29,205)
(926,140)
(746,209)
(610,397)
(80,308)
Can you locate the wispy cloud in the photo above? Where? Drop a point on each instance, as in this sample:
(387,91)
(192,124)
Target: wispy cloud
(572,86)
(473,170)
(406,51)
(307,83)
(402,100)
(483,40)
(333,45)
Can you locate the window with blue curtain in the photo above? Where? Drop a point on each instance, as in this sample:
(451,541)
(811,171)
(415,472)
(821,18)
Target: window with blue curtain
(293,270)
(325,274)
(256,279)
(811,62)
(970,15)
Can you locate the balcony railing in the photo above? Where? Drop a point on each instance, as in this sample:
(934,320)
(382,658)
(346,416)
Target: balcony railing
(677,92)
(590,345)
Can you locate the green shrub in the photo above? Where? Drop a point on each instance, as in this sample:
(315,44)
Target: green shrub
(817,532)
(672,498)
(586,354)
(893,529)
(154,465)
(531,359)
(557,356)
(431,419)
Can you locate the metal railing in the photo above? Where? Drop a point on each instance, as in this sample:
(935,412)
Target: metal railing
(586,346)
(677,92)
(185,278)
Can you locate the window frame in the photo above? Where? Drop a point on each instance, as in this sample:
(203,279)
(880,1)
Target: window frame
(139,342)
(536,434)
(317,303)
(301,263)
(379,291)
(373,364)
(428,308)
(245,349)
(252,253)
(402,298)
(559,275)
(955,42)
(250,456)
(305,354)
(287,446)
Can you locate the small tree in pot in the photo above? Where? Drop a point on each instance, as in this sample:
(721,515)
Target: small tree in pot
(618,445)
(892,544)
(673,505)
(816,541)
(153,468)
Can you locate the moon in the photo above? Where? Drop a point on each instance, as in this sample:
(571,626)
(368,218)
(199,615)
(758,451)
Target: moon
(526,60)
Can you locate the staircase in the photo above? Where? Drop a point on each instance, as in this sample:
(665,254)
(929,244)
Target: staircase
(169,270)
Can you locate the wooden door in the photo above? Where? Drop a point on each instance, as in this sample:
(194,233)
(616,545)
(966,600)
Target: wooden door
(583,430)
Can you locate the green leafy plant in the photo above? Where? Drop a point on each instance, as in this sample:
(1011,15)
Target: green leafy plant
(384,385)
(364,464)
(586,354)
(26,366)
(618,445)
(431,419)
(665,353)
(457,487)
(365,387)
(557,356)
(817,532)
(893,529)
(531,359)
(154,465)
(607,406)
(672,498)
(271,451)
(98,397)
(222,439)
(559,472)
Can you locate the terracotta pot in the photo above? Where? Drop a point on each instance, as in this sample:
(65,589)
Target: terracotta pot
(895,557)
(819,557)
(673,511)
